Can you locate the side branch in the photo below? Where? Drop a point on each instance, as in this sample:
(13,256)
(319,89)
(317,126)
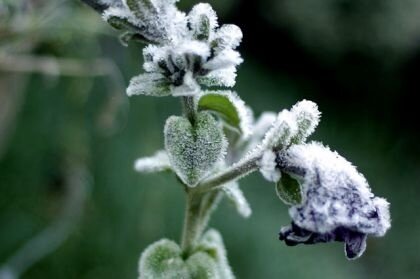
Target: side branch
(236,171)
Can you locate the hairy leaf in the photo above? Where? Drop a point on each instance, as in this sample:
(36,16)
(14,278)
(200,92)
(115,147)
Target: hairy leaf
(194,150)
(230,107)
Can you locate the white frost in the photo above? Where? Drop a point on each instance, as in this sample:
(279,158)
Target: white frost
(158,162)
(268,166)
(282,131)
(150,84)
(307,117)
(235,194)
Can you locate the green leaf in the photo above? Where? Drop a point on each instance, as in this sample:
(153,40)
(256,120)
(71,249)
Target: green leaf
(149,84)
(194,150)
(230,107)
(162,259)
(212,244)
(288,189)
(142,9)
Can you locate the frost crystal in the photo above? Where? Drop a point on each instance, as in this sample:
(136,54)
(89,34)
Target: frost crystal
(158,162)
(337,205)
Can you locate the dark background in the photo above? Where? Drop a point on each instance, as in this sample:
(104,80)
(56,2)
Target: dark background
(69,135)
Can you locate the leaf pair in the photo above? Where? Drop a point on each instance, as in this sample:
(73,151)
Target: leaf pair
(164,259)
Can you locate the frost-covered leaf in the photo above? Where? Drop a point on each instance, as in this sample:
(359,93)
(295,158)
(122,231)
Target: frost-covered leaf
(230,107)
(162,259)
(221,77)
(288,189)
(282,131)
(236,196)
(229,36)
(224,59)
(120,19)
(212,244)
(202,266)
(307,117)
(127,37)
(141,8)
(194,150)
(150,84)
(158,162)
(202,21)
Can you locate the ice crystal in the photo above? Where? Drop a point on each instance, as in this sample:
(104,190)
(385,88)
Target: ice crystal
(337,201)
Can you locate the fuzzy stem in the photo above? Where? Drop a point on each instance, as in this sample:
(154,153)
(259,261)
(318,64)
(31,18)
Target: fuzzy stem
(236,171)
(188,105)
(192,222)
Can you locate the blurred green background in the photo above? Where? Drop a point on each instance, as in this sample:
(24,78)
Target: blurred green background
(69,135)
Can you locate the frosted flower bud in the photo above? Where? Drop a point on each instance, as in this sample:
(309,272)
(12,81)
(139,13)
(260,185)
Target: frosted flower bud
(282,131)
(307,117)
(337,203)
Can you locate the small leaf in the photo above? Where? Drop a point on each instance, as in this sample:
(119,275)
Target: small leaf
(202,20)
(307,118)
(227,36)
(212,244)
(230,107)
(288,189)
(162,259)
(194,150)
(236,196)
(142,9)
(282,131)
(158,162)
(150,84)
(220,77)
(202,266)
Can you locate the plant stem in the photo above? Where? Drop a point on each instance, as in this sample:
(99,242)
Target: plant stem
(234,172)
(192,223)
(188,105)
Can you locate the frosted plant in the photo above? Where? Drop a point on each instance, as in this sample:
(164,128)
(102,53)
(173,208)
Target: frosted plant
(216,142)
